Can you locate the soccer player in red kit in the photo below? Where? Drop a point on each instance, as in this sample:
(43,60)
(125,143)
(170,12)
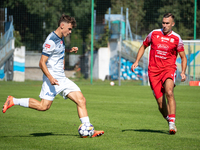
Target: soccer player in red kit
(165,45)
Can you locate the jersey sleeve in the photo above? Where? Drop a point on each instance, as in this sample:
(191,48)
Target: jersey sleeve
(147,40)
(48,48)
(180,46)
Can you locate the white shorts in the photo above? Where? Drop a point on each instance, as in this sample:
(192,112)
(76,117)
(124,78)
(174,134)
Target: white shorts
(48,91)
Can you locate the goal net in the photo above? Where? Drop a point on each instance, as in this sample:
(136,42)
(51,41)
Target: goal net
(192,51)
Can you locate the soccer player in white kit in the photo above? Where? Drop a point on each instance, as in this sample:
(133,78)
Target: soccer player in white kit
(54,79)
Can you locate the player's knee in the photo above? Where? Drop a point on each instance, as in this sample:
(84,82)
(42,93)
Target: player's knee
(82,101)
(169,93)
(44,107)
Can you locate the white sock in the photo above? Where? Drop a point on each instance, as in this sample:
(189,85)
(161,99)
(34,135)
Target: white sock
(21,101)
(85,120)
(172,120)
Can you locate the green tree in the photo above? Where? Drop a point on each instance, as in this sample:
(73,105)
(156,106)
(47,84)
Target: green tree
(183,11)
(35,19)
(17,36)
(103,40)
(149,13)
(184,16)
(136,12)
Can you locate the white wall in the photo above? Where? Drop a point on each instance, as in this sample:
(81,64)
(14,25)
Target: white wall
(32,59)
(73,59)
(19,64)
(103,62)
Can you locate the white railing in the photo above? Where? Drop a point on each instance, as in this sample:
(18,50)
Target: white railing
(8,34)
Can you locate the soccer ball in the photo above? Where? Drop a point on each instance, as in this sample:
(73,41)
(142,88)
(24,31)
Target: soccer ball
(86,130)
(112,83)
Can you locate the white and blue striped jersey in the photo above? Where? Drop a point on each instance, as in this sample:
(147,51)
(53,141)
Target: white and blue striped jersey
(54,48)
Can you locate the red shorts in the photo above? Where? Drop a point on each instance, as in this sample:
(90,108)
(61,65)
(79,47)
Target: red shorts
(157,80)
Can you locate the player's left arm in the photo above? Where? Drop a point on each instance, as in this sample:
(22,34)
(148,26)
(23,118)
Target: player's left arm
(183,65)
(73,49)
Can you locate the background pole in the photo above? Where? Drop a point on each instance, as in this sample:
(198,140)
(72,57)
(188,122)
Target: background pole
(120,49)
(195,19)
(92,28)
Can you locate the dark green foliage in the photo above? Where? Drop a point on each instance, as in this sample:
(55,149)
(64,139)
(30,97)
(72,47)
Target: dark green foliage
(103,40)
(17,36)
(35,19)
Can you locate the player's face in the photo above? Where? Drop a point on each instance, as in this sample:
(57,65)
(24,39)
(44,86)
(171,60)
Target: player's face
(66,29)
(167,25)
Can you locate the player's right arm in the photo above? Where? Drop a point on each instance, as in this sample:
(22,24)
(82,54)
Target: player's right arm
(139,55)
(45,70)
(48,48)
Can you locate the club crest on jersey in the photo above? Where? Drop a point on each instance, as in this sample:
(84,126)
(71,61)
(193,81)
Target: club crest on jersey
(172,40)
(47,47)
(164,39)
(61,42)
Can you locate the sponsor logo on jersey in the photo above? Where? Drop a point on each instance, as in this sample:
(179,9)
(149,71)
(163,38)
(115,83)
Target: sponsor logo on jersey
(47,46)
(163,46)
(50,94)
(161,52)
(161,57)
(163,39)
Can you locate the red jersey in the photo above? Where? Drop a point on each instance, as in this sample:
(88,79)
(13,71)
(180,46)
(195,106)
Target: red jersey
(164,50)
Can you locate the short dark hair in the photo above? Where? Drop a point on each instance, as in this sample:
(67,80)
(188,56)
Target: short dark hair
(67,19)
(167,15)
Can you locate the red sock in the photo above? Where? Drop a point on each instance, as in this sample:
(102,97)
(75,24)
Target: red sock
(172,118)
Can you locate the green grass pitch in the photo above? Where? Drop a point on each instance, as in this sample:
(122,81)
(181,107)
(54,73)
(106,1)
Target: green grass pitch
(128,114)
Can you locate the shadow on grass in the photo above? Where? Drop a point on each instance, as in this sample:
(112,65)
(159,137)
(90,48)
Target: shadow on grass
(46,134)
(51,134)
(146,130)
(43,134)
